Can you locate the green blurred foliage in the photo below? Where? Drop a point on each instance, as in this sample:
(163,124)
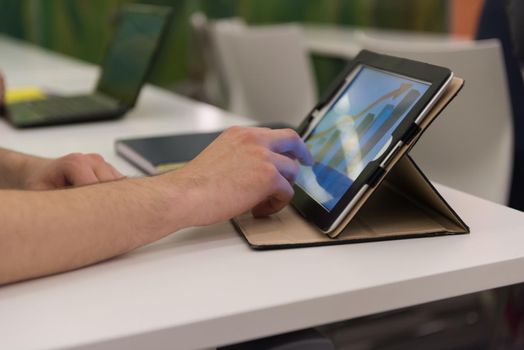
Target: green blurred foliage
(81,28)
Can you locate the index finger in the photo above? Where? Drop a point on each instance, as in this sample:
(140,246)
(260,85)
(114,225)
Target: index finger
(288,142)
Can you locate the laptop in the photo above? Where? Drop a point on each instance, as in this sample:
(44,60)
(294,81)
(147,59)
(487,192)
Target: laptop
(126,65)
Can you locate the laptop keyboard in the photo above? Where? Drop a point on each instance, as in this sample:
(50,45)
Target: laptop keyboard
(62,107)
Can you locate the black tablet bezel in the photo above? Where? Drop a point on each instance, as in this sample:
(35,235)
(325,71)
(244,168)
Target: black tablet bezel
(436,76)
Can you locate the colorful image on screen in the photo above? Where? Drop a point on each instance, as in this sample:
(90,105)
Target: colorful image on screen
(354,130)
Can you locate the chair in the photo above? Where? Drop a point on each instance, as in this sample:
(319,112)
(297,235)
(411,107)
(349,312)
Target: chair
(470,146)
(267,72)
(211,51)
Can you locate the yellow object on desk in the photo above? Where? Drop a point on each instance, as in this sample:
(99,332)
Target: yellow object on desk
(14,95)
(169,167)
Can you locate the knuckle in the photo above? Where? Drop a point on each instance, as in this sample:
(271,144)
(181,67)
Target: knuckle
(291,134)
(262,153)
(230,130)
(96,157)
(269,172)
(74,158)
(287,193)
(241,135)
(248,136)
(233,130)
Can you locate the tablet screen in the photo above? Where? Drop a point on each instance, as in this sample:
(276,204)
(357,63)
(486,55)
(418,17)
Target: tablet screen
(354,130)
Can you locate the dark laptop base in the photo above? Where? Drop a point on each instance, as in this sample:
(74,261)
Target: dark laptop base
(59,110)
(76,119)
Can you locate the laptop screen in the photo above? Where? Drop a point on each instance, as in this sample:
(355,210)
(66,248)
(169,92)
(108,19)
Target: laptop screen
(131,51)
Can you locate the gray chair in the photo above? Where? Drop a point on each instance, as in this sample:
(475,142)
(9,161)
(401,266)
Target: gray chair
(470,146)
(208,48)
(267,71)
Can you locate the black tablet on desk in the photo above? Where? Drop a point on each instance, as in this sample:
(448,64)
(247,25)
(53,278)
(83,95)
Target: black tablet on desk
(354,133)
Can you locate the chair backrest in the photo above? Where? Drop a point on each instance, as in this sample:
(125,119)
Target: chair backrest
(470,146)
(268,72)
(214,50)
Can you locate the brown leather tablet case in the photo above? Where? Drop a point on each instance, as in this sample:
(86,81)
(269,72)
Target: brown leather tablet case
(403,204)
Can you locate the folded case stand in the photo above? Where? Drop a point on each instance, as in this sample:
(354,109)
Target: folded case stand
(402,204)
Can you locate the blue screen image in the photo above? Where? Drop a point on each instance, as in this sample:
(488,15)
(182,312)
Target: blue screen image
(354,130)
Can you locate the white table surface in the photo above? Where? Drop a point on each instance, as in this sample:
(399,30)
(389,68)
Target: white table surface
(203,287)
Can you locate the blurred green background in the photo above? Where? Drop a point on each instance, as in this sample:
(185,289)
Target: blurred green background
(81,28)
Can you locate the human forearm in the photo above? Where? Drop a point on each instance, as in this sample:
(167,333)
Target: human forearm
(54,231)
(45,232)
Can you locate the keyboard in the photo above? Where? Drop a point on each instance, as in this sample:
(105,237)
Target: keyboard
(61,108)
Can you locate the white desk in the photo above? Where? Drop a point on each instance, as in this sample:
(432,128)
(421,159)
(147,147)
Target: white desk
(204,287)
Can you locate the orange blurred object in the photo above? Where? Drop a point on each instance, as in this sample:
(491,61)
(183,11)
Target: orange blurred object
(464,16)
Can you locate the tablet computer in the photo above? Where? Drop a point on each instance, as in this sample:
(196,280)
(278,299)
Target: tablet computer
(354,132)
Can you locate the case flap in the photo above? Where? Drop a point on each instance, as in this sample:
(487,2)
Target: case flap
(405,205)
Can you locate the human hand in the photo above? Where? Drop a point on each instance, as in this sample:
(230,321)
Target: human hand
(74,169)
(243,169)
